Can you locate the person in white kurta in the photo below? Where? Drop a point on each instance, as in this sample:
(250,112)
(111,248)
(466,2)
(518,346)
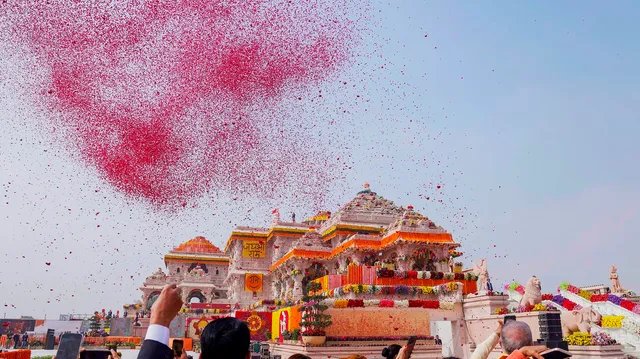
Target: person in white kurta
(486,347)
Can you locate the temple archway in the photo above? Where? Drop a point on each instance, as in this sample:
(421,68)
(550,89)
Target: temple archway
(196,296)
(203,266)
(152,299)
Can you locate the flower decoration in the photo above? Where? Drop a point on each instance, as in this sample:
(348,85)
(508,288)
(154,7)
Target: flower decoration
(524,309)
(386,303)
(627,304)
(539,307)
(631,325)
(579,338)
(573,289)
(564,285)
(584,294)
(614,299)
(612,321)
(340,303)
(602,339)
(558,299)
(501,311)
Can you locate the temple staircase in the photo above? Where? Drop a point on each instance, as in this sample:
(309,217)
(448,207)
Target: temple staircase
(628,335)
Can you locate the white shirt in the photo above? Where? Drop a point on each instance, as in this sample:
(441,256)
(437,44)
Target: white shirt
(158,333)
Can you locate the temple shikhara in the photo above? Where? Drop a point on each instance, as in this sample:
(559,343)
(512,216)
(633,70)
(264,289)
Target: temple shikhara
(277,262)
(382,272)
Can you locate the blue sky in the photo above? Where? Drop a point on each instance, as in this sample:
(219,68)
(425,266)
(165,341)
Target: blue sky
(533,107)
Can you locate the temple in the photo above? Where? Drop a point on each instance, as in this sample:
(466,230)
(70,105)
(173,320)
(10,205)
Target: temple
(198,267)
(383,273)
(276,263)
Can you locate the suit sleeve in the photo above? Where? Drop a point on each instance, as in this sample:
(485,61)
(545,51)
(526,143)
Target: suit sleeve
(152,349)
(484,349)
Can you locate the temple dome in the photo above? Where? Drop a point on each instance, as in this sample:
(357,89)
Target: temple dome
(312,240)
(198,244)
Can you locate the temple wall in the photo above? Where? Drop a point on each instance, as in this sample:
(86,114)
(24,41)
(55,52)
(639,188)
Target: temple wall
(387,322)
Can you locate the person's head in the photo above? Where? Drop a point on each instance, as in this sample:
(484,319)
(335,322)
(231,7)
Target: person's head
(299,356)
(391,351)
(227,338)
(356,356)
(515,335)
(437,337)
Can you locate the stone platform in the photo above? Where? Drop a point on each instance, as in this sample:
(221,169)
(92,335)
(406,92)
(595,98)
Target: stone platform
(344,349)
(594,351)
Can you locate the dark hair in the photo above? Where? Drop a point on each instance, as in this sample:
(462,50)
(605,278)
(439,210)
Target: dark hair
(391,351)
(299,356)
(227,338)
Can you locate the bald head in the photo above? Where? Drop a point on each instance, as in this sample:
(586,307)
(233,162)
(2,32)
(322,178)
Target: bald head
(515,335)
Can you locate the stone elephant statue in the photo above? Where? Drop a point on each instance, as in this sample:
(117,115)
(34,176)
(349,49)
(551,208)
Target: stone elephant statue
(579,320)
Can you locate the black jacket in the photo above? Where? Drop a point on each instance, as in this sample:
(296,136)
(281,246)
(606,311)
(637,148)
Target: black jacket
(152,349)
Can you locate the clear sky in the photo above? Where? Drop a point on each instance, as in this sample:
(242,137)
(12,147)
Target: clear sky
(525,113)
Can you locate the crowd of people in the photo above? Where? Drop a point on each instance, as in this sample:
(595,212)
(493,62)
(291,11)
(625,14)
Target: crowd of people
(20,341)
(229,338)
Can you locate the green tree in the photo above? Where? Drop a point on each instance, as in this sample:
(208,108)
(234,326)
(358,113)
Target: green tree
(314,321)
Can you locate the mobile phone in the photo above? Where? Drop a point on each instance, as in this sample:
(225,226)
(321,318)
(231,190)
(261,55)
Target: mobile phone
(555,353)
(410,344)
(177,347)
(508,318)
(94,354)
(69,346)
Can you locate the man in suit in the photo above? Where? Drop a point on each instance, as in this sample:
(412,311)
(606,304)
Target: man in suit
(166,307)
(225,338)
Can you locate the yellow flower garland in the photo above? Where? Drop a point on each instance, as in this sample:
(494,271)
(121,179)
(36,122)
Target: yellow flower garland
(426,290)
(579,338)
(612,321)
(539,307)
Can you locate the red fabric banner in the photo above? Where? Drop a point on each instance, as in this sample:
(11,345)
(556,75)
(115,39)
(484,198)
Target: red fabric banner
(258,322)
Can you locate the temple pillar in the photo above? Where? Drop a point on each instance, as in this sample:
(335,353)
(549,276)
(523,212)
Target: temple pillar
(145,300)
(297,283)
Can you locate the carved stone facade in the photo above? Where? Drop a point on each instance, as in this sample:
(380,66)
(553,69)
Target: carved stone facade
(277,262)
(369,229)
(199,269)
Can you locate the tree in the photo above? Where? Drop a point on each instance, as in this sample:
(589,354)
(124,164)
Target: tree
(314,321)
